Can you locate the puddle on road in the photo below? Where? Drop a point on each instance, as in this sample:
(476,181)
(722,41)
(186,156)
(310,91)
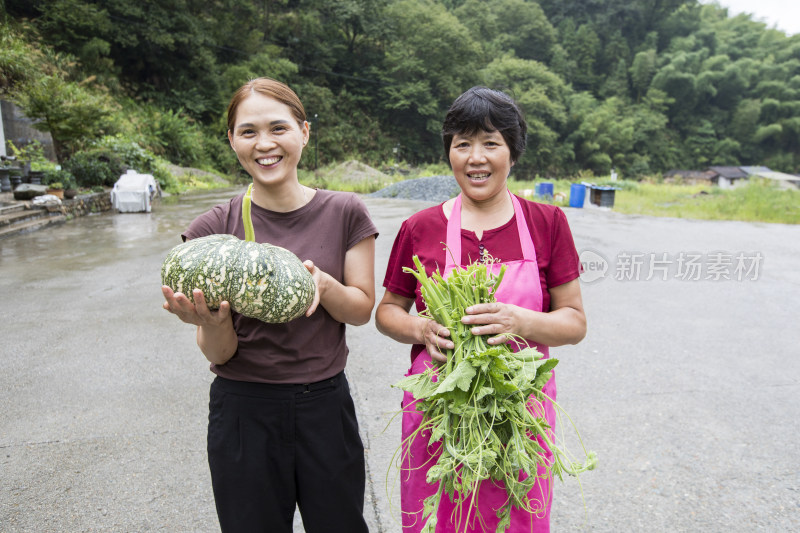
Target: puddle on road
(95,240)
(104,239)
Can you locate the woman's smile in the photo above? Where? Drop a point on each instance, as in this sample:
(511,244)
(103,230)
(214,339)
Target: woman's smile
(268,161)
(477,176)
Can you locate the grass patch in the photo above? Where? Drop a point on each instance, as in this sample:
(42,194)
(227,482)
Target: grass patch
(756,201)
(759,200)
(183,179)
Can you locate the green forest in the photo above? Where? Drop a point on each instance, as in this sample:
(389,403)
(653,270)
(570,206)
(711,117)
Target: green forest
(639,86)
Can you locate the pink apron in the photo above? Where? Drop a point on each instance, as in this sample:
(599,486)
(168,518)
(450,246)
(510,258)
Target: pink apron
(520,286)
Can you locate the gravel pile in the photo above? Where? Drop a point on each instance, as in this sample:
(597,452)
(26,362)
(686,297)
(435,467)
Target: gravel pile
(435,189)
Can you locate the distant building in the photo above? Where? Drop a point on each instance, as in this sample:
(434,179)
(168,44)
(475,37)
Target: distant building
(692,177)
(755,170)
(785,181)
(728,177)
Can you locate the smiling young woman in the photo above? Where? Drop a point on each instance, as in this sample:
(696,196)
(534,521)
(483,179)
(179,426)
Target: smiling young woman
(268,138)
(282,430)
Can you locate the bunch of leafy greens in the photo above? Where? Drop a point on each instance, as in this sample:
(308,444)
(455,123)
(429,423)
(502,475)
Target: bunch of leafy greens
(485,405)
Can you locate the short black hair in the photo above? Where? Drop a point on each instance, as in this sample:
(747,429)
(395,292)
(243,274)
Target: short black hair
(481,108)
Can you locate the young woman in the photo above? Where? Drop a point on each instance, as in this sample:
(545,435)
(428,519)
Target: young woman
(282,429)
(539,299)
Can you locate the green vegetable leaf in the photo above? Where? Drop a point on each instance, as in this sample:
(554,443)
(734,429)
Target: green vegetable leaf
(547,365)
(483,392)
(504,514)
(460,377)
(421,386)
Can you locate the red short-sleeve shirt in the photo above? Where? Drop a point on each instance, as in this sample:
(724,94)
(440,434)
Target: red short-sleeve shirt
(424,233)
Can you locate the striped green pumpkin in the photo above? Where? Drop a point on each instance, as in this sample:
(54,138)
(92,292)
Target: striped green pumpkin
(261,281)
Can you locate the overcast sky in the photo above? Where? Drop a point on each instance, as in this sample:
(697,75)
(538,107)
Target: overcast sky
(783,14)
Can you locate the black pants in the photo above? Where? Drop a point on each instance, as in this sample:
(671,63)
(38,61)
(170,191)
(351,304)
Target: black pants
(271,447)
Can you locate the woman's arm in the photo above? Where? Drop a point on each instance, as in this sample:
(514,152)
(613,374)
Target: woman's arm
(215,334)
(393,320)
(564,324)
(350,302)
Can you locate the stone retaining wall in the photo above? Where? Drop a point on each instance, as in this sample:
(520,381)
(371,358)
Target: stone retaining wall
(85,204)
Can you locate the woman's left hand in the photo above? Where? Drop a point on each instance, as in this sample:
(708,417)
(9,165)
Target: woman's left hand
(316,274)
(498,319)
(351,299)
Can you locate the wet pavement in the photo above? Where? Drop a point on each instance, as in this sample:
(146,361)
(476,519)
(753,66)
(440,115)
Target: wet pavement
(686,385)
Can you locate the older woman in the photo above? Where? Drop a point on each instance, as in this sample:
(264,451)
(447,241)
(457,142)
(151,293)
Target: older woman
(484,135)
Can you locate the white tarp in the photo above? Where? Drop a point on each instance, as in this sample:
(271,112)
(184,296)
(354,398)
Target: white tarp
(133,192)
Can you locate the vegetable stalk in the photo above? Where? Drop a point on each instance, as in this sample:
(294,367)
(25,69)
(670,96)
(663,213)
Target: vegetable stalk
(484,403)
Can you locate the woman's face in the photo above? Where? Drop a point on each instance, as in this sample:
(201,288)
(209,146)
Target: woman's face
(267,139)
(481,163)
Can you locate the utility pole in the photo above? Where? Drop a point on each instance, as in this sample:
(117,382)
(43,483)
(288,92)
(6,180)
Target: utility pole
(316,141)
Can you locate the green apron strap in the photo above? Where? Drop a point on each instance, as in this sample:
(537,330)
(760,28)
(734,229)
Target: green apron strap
(247,220)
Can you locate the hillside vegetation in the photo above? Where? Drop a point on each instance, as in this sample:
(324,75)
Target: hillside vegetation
(634,85)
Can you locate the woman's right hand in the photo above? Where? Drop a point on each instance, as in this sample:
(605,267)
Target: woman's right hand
(436,339)
(394,320)
(196,313)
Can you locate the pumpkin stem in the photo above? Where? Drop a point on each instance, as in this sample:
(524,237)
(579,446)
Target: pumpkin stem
(249,232)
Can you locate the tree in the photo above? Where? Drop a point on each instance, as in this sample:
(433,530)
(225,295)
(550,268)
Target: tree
(584,50)
(19,61)
(642,71)
(616,83)
(522,27)
(631,139)
(430,59)
(72,113)
(82,29)
(541,94)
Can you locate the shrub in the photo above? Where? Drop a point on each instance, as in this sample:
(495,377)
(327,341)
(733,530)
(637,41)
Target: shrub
(62,177)
(177,138)
(110,157)
(33,153)
(71,112)
(95,167)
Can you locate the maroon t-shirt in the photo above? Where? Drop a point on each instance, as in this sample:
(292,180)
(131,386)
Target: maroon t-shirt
(425,232)
(307,349)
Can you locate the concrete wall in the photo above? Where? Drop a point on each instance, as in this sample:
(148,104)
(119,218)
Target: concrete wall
(19,129)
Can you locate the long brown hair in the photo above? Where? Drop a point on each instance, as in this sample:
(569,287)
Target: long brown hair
(271,89)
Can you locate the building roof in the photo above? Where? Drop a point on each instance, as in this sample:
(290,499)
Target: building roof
(729,172)
(780,176)
(755,170)
(694,174)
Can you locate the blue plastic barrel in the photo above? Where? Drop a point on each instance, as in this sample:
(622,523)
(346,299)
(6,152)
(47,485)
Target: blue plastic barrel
(577,195)
(546,189)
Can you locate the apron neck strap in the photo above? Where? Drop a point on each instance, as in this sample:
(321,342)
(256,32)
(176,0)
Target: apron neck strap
(525,240)
(247,219)
(453,250)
